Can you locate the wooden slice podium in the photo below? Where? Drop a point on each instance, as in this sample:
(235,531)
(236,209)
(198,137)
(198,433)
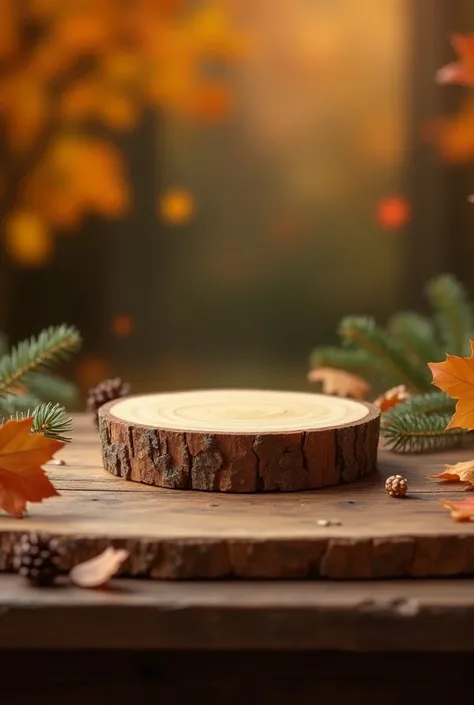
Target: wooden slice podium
(238,440)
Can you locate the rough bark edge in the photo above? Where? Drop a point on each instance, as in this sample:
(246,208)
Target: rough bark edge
(220,462)
(327,558)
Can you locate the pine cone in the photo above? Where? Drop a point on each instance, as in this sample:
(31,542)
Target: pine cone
(396,485)
(106,391)
(36,559)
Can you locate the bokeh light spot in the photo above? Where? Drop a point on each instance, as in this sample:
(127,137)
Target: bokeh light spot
(177,206)
(90,370)
(393,212)
(212,103)
(122,326)
(28,241)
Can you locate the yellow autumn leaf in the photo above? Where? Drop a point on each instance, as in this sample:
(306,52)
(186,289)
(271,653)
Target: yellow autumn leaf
(461,472)
(455,376)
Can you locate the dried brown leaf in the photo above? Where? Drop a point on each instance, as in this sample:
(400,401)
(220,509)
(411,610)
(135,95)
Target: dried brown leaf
(392,397)
(461,71)
(461,472)
(339,382)
(96,572)
(461,511)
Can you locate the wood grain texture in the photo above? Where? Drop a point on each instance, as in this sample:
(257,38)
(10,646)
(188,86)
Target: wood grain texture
(233,460)
(182,535)
(385,616)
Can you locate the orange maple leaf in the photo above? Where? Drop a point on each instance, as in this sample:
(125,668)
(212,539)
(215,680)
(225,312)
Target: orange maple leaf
(392,397)
(461,71)
(22,454)
(462,472)
(455,376)
(461,511)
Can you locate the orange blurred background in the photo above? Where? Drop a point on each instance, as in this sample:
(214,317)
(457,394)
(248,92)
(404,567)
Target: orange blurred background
(206,188)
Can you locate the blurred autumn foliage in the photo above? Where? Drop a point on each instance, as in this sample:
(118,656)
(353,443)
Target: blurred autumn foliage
(74,71)
(454,134)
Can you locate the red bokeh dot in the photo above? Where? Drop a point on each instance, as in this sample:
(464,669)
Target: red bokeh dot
(393,212)
(122,326)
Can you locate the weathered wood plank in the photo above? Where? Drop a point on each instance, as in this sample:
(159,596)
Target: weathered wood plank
(176,534)
(358,616)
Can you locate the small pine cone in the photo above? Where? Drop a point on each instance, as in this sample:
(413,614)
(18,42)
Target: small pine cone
(396,485)
(37,559)
(106,391)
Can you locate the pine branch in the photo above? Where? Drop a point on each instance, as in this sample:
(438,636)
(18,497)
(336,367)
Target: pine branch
(47,387)
(51,420)
(453,313)
(426,404)
(51,347)
(356,361)
(416,335)
(48,419)
(364,333)
(414,433)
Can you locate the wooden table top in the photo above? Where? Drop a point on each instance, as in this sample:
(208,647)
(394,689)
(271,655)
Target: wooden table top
(410,615)
(179,534)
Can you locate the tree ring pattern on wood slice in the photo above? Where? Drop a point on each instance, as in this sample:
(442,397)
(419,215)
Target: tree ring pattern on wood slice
(239,440)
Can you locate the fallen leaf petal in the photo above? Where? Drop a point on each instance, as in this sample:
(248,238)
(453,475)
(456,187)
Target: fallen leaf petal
(392,397)
(96,572)
(339,382)
(22,454)
(455,376)
(461,71)
(462,472)
(460,511)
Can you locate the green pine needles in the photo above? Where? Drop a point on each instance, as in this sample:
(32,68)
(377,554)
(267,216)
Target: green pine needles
(28,389)
(415,433)
(398,354)
(419,424)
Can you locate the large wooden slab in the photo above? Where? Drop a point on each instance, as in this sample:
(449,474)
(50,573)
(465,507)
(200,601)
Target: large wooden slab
(176,535)
(388,616)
